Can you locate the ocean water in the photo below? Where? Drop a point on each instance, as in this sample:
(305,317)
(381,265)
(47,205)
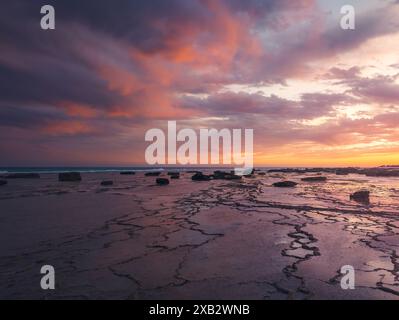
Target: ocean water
(5,170)
(73,169)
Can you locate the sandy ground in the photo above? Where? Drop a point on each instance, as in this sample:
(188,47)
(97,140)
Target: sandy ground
(198,240)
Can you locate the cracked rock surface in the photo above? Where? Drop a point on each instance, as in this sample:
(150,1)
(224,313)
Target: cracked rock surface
(241,239)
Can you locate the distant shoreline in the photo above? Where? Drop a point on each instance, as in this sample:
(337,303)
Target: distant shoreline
(96,169)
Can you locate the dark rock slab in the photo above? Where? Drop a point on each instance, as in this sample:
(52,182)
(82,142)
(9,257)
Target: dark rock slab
(162,181)
(315,179)
(199,176)
(346,171)
(152,174)
(285,184)
(362,196)
(381,172)
(173,173)
(69,176)
(127,173)
(222,175)
(107,183)
(233,177)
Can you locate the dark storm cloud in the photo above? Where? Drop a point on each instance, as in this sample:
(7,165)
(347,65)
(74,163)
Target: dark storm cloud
(62,65)
(24,117)
(46,67)
(76,62)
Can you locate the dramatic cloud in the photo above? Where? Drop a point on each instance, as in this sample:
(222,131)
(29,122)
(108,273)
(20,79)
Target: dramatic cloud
(112,70)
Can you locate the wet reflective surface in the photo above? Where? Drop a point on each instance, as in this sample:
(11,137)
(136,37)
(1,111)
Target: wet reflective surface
(216,239)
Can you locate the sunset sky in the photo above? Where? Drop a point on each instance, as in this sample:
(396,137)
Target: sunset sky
(86,92)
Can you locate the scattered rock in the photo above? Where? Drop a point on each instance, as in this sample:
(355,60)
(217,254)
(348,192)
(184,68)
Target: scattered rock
(288,170)
(199,176)
(315,179)
(173,173)
(387,171)
(22,176)
(3,182)
(69,176)
(107,183)
(152,174)
(361,196)
(221,175)
(303,170)
(261,173)
(285,184)
(127,173)
(342,172)
(381,172)
(162,181)
(233,177)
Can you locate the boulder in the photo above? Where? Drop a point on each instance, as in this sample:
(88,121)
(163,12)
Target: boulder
(199,176)
(174,175)
(362,196)
(69,176)
(107,183)
(315,179)
(285,184)
(162,181)
(3,182)
(221,175)
(152,174)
